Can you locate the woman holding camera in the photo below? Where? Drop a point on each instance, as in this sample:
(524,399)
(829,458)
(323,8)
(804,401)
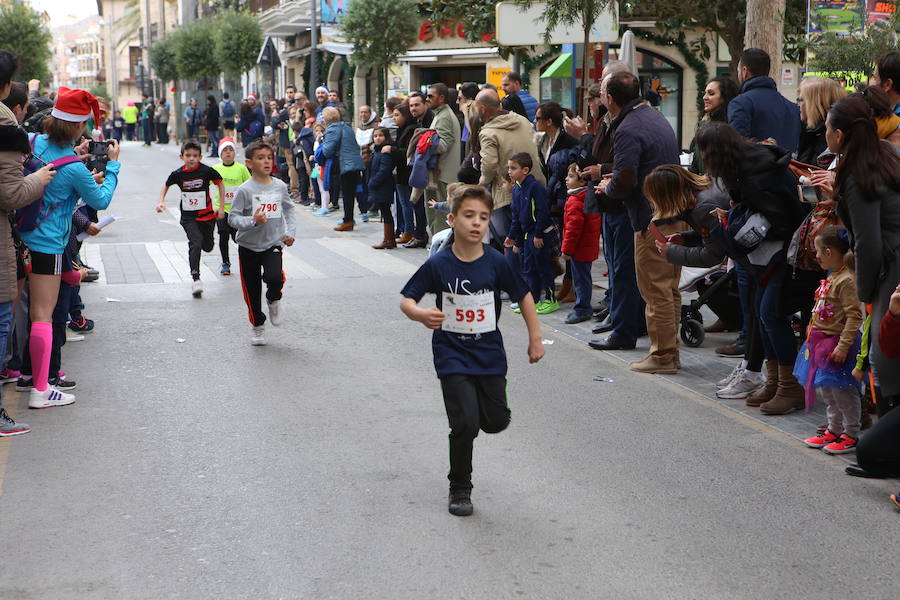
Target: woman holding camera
(46,232)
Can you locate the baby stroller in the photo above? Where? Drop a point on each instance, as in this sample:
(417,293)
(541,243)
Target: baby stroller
(719,281)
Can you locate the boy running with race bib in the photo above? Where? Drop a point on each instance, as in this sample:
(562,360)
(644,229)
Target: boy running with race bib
(233,174)
(466,279)
(197,214)
(263,215)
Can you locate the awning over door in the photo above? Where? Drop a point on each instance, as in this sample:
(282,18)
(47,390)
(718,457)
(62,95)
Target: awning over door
(561,67)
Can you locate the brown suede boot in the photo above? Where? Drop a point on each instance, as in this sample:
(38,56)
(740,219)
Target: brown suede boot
(564,290)
(769,389)
(404,238)
(790,394)
(345,226)
(389,242)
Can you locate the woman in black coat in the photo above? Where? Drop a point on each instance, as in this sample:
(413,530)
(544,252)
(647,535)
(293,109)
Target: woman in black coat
(381,184)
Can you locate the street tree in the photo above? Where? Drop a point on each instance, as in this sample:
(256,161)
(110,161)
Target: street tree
(765,29)
(381,31)
(238,39)
(195,50)
(162,57)
(23,33)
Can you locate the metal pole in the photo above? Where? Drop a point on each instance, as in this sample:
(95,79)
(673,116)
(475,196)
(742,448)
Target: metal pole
(313,82)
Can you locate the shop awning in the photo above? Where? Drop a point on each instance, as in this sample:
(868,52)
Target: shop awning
(561,67)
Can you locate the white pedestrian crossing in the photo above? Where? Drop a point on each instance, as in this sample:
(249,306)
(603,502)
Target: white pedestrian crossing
(377,261)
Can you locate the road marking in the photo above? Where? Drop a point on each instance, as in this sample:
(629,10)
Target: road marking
(292,265)
(178,256)
(93,258)
(169,272)
(363,255)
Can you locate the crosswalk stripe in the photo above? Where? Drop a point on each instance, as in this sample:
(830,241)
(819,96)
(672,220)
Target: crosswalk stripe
(299,268)
(169,272)
(379,262)
(177,255)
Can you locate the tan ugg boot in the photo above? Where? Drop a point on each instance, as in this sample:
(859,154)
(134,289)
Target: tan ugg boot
(790,395)
(565,289)
(767,392)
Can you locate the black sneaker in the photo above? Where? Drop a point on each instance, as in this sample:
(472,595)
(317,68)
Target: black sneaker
(24,384)
(62,384)
(460,503)
(80,324)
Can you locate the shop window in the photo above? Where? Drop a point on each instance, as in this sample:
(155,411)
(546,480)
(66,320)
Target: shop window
(661,84)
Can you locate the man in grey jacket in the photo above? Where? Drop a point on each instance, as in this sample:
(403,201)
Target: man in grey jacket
(448,151)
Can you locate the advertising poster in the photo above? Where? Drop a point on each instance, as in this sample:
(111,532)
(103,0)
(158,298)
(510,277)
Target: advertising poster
(332,10)
(837,16)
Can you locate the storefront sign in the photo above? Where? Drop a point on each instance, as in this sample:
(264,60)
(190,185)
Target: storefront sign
(446,29)
(495,76)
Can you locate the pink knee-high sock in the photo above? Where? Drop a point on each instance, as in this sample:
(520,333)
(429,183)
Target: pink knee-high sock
(41,343)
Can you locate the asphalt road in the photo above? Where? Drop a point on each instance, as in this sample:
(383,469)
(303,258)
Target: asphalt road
(196,466)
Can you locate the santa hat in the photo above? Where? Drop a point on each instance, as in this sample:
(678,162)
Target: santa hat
(251,95)
(227,142)
(321,88)
(75,106)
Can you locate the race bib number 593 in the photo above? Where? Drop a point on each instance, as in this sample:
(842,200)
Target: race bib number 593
(469,313)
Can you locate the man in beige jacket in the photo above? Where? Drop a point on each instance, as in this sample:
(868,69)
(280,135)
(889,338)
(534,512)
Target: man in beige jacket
(502,135)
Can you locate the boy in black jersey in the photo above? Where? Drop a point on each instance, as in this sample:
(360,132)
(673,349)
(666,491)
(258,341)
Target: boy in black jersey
(198,218)
(467,278)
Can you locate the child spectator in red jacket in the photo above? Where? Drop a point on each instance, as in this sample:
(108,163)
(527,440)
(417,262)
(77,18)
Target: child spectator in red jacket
(889,333)
(581,244)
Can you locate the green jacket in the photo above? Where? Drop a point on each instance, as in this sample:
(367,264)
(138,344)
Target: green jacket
(449,149)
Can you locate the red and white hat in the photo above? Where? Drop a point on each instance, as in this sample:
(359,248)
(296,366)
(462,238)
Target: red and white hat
(76,106)
(227,142)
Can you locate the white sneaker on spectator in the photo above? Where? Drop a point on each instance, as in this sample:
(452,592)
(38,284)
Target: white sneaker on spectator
(735,373)
(48,398)
(275,313)
(257,338)
(743,386)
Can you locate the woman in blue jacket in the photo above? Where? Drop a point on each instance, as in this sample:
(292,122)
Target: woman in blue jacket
(382,185)
(340,144)
(47,233)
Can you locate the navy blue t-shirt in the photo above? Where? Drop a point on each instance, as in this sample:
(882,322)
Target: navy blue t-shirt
(479,353)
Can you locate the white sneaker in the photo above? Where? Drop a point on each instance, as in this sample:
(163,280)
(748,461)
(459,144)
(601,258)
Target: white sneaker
(49,397)
(275,313)
(735,374)
(743,386)
(197,289)
(257,338)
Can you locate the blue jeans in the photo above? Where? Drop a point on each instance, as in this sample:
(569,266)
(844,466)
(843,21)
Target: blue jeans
(405,208)
(626,307)
(147,127)
(421,219)
(5,323)
(538,272)
(213,135)
(774,322)
(581,281)
(501,219)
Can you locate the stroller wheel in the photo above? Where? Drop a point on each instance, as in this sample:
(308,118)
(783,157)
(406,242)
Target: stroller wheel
(692,333)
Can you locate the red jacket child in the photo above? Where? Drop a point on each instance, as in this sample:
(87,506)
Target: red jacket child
(581,232)
(889,333)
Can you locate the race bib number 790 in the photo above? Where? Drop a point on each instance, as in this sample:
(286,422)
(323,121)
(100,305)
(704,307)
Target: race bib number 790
(469,313)
(270,203)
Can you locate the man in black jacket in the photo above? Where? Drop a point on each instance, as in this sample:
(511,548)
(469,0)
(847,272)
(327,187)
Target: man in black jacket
(211,122)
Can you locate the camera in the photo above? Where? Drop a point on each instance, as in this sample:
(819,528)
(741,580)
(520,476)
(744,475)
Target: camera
(99,156)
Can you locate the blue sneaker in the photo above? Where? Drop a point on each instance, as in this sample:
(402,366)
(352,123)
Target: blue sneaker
(321,212)
(226,269)
(365,218)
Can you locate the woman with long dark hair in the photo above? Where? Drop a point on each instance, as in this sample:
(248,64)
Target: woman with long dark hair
(414,234)
(757,176)
(718,93)
(867,187)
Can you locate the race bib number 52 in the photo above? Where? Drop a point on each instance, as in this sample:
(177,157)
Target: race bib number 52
(270,203)
(193,201)
(469,313)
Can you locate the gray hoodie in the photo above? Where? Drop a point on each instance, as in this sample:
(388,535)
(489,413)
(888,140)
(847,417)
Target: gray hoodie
(282,221)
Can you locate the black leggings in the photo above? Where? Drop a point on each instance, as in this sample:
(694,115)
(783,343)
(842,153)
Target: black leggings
(225,231)
(256,268)
(879,448)
(473,402)
(387,217)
